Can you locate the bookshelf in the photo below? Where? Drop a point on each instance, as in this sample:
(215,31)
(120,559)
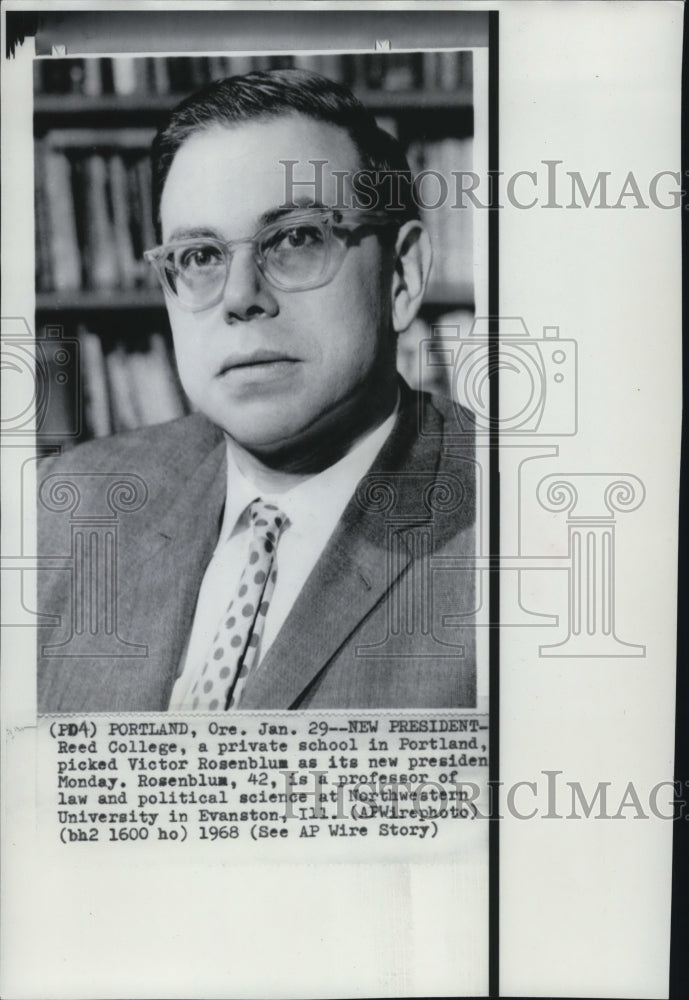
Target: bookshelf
(94,120)
(148,107)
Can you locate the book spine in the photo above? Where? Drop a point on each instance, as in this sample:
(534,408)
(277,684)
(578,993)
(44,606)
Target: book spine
(159,76)
(448,70)
(400,71)
(95,385)
(142,389)
(100,256)
(64,246)
(198,72)
(373,71)
(465,69)
(92,85)
(128,267)
(216,67)
(107,76)
(141,178)
(124,76)
(307,61)
(457,223)
(44,272)
(331,66)
(355,72)
(429,70)
(180,75)
(125,412)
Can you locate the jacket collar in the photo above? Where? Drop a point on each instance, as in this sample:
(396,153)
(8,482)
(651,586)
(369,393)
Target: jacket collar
(406,488)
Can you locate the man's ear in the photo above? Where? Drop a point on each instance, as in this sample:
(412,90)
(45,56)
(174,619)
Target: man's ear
(413,257)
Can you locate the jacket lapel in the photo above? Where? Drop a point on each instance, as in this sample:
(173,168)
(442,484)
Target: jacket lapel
(360,564)
(181,548)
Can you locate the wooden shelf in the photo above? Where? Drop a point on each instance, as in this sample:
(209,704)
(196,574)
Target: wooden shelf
(151,106)
(77,105)
(100,301)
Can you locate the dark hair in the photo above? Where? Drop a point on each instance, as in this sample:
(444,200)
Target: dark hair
(272,94)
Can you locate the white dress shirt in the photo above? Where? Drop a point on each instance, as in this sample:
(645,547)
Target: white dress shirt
(313,508)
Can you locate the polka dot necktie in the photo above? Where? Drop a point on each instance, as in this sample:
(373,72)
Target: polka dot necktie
(234,650)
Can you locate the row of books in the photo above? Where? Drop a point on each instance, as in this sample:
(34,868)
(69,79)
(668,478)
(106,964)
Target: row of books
(126,388)
(129,382)
(445,70)
(93,219)
(94,214)
(436,166)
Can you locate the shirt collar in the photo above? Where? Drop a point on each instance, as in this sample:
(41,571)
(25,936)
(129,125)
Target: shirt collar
(322,497)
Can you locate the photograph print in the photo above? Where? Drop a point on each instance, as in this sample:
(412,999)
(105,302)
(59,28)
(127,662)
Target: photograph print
(259,488)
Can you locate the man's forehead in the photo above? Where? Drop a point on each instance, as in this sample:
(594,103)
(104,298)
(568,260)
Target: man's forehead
(229,179)
(260,164)
(266,143)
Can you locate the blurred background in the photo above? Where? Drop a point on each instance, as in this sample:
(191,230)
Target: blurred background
(101,324)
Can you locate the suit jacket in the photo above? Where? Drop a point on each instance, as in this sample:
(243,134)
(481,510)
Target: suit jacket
(128,525)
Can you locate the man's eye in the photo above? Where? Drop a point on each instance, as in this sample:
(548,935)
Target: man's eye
(197,258)
(302,237)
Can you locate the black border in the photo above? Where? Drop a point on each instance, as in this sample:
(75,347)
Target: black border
(679,921)
(494,518)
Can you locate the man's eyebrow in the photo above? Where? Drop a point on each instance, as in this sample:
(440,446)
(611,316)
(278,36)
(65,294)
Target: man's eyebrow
(297,207)
(192,232)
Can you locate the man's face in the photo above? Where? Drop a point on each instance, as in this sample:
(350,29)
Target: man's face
(272,368)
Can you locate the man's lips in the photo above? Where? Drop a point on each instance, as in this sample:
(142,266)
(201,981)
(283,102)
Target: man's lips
(256,359)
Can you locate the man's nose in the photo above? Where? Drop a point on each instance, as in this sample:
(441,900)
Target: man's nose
(247,294)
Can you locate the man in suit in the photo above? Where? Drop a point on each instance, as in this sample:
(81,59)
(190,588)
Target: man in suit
(305,539)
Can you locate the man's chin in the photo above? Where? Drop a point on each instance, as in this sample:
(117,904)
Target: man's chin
(260,439)
(284,447)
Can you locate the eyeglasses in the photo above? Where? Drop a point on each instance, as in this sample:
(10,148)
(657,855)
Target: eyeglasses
(297,253)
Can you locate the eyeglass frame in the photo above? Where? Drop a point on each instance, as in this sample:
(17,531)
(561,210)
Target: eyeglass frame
(348,219)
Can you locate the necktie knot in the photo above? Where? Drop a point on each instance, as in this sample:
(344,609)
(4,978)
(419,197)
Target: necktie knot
(267,521)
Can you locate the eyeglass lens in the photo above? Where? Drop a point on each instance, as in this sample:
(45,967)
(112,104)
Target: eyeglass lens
(293,256)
